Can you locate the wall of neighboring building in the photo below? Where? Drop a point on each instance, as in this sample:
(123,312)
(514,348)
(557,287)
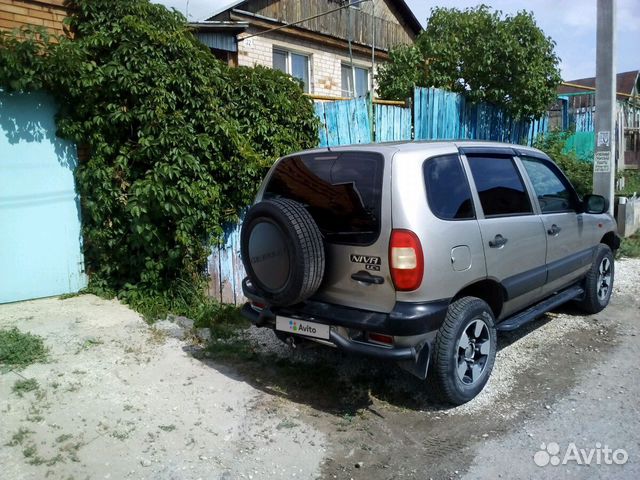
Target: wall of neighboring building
(325,62)
(325,17)
(45,13)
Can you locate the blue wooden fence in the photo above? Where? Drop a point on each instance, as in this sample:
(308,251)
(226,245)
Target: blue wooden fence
(345,122)
(583,118)
(436,115)
(392,123)
(443,115)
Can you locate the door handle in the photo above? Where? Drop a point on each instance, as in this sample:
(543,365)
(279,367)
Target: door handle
(498,242)
(554,230)
(366,277)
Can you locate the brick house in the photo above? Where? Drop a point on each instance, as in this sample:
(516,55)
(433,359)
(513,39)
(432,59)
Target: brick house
(312,39)
(44,13)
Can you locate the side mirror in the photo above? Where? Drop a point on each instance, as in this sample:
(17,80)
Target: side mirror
(596,204)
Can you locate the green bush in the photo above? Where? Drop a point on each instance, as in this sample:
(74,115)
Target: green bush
(580,173)
(631,183)
(630,246)
(177,142)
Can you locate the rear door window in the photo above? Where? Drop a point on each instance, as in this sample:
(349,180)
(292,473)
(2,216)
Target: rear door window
(447,188)
(500,187)
(342,192)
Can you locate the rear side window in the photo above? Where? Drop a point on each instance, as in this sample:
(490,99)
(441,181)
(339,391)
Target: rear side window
(447,188)
(341,191)
(499,185)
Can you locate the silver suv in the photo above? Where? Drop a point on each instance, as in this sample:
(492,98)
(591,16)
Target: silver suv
(419,252)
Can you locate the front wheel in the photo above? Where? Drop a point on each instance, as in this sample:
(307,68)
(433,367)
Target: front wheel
(599,281)
(464,351)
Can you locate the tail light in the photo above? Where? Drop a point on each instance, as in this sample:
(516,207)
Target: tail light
(406,260)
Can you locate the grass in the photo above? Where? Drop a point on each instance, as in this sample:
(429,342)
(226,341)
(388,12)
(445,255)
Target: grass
(19,437)
(630,246)
(631,183)
(231,349)
(181,299)
(19,349)
(24,386)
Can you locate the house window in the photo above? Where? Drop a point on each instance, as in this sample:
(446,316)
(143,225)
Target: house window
(362,81)
(295,64)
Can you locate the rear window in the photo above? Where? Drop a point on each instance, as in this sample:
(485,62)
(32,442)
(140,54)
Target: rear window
(342,192)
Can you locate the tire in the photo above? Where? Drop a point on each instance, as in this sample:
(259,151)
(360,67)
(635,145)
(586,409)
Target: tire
(282,251)
(599,281)
(458,374)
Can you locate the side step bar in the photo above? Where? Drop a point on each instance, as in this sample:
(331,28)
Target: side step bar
(531,313)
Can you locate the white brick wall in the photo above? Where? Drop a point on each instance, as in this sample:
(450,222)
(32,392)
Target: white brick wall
(325,62)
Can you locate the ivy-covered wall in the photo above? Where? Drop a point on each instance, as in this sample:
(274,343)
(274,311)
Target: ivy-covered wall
(177,142)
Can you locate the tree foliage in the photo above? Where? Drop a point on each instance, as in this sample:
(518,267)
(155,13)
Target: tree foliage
(580,173)
(507,61)
(177,142)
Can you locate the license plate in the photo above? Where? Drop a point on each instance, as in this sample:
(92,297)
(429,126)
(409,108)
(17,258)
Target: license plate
(302,327)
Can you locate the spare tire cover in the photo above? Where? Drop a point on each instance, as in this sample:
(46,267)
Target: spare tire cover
(282,251)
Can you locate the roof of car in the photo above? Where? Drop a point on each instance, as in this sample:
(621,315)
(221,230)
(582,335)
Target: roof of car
(424,145)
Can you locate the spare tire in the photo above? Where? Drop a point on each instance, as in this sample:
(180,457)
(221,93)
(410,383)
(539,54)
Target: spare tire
(282,251)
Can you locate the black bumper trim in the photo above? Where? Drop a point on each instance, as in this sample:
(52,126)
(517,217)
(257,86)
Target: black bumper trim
(266,318)
(384,353)
(406,318)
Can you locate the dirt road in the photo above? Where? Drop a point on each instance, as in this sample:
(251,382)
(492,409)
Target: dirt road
(119,400)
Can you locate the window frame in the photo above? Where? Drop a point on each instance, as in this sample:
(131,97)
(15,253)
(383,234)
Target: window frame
(289,64)
(347,93)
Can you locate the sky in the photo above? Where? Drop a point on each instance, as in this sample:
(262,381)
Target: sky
(570,23)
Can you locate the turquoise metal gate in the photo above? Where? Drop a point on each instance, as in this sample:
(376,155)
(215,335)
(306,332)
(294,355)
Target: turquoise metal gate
(40,235)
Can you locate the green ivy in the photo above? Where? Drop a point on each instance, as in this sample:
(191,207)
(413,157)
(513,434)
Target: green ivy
(177,141)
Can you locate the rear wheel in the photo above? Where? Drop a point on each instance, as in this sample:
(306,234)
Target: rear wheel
(599,281)
(464,351)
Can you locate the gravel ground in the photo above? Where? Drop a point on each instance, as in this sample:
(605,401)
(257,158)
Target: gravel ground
(545,372)
(121,400)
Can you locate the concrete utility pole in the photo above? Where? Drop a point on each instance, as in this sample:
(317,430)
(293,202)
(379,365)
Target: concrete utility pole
(604,161)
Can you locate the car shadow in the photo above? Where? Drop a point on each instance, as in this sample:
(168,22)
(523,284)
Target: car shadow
(327,379)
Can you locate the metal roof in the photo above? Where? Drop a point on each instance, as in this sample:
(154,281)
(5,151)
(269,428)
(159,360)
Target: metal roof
(625,83)
(401,5)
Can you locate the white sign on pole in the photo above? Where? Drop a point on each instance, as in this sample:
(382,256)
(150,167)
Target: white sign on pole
(602,162)
(604,139)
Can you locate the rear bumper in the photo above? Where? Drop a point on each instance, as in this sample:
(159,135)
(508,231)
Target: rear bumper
(267,318)
(406,319)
